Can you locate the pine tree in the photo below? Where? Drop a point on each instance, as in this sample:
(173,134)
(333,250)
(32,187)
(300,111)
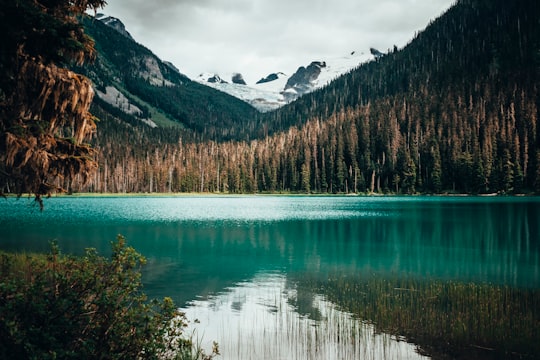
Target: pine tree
(508,172)
(44,108)
(436,174)
(537,175)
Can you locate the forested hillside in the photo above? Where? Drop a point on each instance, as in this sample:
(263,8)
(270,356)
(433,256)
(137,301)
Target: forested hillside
(454,111)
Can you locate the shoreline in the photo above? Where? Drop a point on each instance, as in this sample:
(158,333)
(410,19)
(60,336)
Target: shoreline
(275,194)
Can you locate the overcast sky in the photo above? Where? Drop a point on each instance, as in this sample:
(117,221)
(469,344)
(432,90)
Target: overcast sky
(258,37)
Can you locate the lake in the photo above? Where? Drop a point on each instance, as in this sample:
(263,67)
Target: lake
(237,263)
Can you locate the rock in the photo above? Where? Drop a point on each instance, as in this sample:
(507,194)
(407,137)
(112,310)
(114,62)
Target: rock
(238,79)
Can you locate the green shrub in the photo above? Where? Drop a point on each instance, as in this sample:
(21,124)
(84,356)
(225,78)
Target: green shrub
(60,307)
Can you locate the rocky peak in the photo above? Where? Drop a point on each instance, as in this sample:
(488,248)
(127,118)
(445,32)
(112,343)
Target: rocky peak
(271,77)
(375,52)
(115,23)
(215,79)
(237,78)
(302,80)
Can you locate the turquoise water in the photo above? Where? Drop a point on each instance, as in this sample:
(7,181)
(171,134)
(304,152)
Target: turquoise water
(228,258)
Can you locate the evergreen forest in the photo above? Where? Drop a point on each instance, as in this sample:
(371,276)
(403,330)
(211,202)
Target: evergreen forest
(454,111)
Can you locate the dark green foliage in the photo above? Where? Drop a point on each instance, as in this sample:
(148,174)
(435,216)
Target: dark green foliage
(65,307)
(44,31)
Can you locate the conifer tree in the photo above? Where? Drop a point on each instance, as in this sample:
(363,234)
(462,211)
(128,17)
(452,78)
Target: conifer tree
(44,108)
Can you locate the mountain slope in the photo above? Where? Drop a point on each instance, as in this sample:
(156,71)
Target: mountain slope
(472,42)
(138,85)
(456,109)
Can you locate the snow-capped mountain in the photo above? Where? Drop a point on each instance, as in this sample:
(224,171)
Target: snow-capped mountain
(270,92)
(134,85)
(278,89)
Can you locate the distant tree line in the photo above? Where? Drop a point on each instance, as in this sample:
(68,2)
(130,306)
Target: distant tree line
(486,143)
(454,111)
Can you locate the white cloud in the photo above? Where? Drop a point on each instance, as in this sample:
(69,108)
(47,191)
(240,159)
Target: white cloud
(257,37)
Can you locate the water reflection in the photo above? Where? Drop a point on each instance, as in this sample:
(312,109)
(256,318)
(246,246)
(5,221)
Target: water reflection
(266,318)
(197,246)
(228,260)
(470,243)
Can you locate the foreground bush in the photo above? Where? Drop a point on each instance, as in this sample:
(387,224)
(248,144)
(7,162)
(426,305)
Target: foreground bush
(61,307)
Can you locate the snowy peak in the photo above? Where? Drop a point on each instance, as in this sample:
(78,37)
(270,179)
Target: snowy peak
(320,73)
(303,80)
(277,89)
(263,97)
(334,67)
(305,75)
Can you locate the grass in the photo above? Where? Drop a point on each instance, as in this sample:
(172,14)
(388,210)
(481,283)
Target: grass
(272,319)
(447,319)
(20,265)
